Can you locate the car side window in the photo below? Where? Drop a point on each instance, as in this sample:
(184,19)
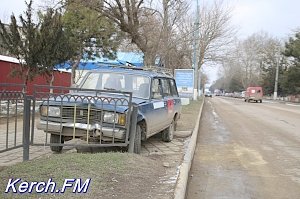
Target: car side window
(156,94)
(166,87)
(173,87)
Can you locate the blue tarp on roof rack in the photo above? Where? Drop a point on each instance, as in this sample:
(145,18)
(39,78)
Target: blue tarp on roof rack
(133,58)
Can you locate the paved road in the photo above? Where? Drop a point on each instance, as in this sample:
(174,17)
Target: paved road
(246,150)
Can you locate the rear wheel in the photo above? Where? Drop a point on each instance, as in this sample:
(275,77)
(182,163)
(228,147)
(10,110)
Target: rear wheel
(138,140)
(56,139)
(175,122)
(260,101)
(168,133)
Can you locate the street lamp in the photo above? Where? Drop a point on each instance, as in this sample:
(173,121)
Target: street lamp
(195,56)
(276,79)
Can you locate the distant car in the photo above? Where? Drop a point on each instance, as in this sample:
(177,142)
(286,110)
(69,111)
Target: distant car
(153,92)
(208,94)
(228,94)
(236,94)
(243,94)
(254,94)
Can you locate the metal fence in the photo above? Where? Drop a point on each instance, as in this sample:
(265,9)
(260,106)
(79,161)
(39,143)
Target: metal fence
(61,116)
(11,112)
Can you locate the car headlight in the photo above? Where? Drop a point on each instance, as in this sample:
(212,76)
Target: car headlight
(51,111)
(111,117)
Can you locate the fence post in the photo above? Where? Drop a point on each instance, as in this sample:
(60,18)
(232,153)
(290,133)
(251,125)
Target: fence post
(133,123)
(26,127)
(32,121)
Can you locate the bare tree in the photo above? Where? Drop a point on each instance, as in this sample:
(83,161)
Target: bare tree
(253,61)
(216,31)
(149,24)
(173,16)
(126,14)
(255,53)
(181,45)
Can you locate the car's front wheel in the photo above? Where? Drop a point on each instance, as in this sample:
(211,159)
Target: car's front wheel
(56,139)
(168,133)
(138,140)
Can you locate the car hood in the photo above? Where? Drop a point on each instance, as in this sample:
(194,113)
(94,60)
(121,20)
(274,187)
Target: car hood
(107,101)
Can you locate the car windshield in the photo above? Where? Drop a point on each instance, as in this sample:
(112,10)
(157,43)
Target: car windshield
(137,84)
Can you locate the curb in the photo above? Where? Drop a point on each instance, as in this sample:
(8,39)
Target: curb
(180,188)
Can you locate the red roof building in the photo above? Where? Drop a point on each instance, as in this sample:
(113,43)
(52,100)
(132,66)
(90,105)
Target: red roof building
(7,64)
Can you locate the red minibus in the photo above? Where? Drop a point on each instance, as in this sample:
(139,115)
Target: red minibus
(254,94)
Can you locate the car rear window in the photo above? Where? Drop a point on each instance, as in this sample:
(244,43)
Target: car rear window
(137,84)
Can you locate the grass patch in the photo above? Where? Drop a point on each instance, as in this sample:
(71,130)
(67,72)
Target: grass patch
(189,116)
(108,172)
(193,107)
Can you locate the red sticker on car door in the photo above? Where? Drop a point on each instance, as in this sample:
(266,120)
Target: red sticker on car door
(170,105)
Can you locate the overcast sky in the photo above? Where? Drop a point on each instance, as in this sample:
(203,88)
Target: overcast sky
(277,17)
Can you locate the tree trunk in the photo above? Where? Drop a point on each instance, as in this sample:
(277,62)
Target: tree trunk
(200,63)
(51,81)
(74,67)
(149,59)
(24,90)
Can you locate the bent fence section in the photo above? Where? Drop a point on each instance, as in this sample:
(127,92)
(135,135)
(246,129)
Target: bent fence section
(62,116)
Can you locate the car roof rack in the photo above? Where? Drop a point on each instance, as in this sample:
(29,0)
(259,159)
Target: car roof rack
(165,71)
(157,69)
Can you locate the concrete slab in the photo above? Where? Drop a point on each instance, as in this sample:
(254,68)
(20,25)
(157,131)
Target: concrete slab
(183,134)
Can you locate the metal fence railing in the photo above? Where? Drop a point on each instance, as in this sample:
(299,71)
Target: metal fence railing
(100,118)
(56,116)
(11,112)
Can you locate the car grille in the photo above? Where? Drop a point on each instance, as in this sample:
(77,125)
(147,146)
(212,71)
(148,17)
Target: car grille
(82,115)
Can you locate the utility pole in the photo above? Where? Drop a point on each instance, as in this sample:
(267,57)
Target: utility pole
(276,79)
(195,56)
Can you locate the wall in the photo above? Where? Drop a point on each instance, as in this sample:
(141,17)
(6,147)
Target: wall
(60,78)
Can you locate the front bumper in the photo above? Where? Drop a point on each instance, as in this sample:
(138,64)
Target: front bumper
(95,130)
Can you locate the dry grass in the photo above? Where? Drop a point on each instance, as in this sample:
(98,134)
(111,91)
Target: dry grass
(119,175)
(189,116)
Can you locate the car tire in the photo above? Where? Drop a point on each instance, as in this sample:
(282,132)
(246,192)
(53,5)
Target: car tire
(55,139)
(138,140)
(260,101)
(168,133)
